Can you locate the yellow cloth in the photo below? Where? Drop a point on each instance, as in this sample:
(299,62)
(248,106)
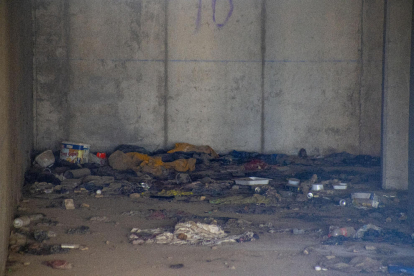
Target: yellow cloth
(180,165)
(188,148)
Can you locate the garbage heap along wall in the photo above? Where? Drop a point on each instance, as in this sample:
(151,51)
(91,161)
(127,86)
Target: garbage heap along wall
(16,112)
(254,75)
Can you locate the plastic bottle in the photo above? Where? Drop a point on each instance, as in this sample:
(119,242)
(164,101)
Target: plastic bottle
(21,221)
(345,231)
(25,220)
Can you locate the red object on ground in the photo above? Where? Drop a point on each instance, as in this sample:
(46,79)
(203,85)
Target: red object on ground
(255,165)
(101,155)
(58,264)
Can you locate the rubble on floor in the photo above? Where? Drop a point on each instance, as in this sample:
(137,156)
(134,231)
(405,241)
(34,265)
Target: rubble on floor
(189,232)
(339,190)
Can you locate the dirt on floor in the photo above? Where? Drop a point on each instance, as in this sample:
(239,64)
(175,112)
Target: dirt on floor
(272,230)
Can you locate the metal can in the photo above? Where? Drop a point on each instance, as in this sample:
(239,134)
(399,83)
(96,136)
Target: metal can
(342,202)
(310,195)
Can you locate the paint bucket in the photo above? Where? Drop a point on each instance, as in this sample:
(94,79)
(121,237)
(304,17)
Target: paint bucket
(74,152)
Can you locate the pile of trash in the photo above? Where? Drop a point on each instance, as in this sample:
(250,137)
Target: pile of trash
(194,233)
(291,186)
(368,232)
(128,170)
(25,239)
(186,170)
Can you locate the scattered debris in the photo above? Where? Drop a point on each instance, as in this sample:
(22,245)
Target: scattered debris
(98,219)
(397,269)
(45,159)
(40,235)
(188,233)
(42,249)
(81,230)
(177,266)
(58,264)
(135,195)
(26,220)
(79,173)
(69,204)
(70,246)
(361,231)
(198,175)
(365,200)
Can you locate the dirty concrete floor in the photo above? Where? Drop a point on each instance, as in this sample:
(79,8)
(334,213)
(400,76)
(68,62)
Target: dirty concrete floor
(279,253)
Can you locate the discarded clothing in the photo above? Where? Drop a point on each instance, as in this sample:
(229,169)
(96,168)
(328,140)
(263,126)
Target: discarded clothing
(188,233)
(361,231)
(191,148)
(138,161)
(255,165)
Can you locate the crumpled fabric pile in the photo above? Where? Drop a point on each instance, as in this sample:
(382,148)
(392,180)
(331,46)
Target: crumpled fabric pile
(194,233)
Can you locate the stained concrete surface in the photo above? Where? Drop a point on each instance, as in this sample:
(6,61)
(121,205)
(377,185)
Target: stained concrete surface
(72,66)
(16,106)
(159,72)
(396,95)
(371,74)
(99,66)
(272,254)
(282,252)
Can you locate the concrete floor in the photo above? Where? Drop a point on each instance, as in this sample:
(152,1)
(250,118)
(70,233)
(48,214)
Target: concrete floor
(279,253)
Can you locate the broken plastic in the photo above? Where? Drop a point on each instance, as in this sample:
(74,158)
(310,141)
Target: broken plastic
(365,200)
(45,159)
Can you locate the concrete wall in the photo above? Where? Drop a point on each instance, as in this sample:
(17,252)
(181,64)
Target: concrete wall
(16,128)
(255,75)
(396,95)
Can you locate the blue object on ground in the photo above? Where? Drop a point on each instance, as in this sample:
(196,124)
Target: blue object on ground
(395,269)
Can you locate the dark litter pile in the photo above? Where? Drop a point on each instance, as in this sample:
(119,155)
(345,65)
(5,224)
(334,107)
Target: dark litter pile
(368,233)
(43,249)
(81,230)
(133,169)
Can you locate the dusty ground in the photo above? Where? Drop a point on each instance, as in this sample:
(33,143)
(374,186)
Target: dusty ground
(292,232)
(280,253)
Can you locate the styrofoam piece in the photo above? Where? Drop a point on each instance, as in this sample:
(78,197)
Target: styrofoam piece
(317,187)
(252,181)
(340,186)
(45,159)
(293,181)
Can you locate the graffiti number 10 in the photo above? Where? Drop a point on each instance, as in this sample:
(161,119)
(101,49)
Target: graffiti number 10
(213,6)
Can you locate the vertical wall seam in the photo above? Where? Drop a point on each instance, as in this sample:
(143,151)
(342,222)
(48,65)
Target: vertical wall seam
(166,91)
(361,76)
(35,87)
(263,56)
(383,89)
(411,126)
(66,11)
